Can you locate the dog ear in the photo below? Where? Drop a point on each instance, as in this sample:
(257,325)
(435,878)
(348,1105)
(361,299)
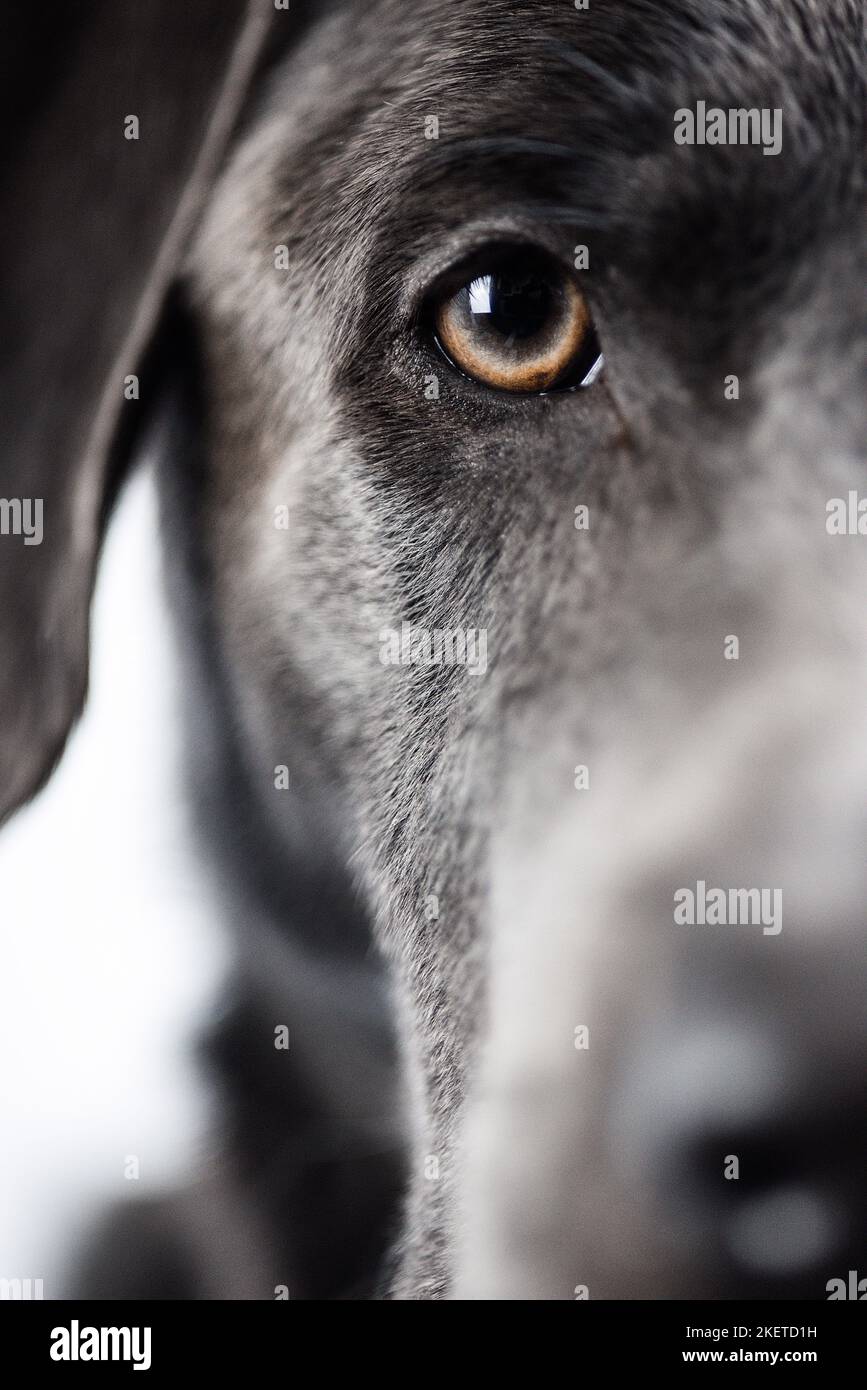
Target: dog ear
(116,115)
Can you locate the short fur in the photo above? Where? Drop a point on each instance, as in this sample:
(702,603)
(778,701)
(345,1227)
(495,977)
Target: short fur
(433,1131)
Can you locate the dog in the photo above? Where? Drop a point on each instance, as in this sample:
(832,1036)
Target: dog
(499,432)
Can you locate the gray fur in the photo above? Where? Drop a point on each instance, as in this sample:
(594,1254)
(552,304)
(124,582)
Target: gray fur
(557,1168)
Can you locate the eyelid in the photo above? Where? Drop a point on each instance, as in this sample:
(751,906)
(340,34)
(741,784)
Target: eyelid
(455,249)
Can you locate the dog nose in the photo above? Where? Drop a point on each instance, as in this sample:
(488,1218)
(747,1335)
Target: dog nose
(781,1202)
(760,1161)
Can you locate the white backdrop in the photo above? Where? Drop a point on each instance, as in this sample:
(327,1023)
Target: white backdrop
(109,952)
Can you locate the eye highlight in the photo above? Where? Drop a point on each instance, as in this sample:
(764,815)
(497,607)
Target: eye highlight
(520,324)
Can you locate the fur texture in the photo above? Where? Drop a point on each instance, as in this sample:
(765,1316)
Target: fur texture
(434,1131)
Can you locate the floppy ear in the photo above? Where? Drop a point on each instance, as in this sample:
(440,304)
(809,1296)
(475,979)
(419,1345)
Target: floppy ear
(117,113)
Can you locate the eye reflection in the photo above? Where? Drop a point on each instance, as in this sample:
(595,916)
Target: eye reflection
(480,295)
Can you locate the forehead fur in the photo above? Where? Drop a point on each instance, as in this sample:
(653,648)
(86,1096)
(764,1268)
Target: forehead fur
(565,118)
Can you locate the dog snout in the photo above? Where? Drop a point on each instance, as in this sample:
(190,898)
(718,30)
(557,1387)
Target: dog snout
(745,1098)
(677,1010)
(756,1149)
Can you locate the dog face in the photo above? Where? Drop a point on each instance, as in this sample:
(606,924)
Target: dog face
(662,694)
(517,905)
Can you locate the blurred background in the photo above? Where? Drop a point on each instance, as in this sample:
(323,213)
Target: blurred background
(111,955)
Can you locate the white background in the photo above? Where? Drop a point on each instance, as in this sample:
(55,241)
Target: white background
(109,951)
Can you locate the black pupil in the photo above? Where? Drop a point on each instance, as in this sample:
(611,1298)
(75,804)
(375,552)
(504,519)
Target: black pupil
(514,306)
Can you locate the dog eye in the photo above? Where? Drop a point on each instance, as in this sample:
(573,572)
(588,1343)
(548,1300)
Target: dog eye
(520,324)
